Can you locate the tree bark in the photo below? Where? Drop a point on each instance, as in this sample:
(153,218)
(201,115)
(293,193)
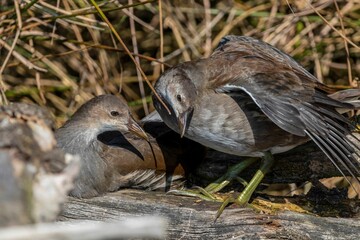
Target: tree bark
(189,219)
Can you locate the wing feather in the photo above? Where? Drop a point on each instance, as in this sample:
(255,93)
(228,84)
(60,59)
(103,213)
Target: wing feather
(289,95)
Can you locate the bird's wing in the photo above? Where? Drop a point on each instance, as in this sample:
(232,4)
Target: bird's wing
(285,92)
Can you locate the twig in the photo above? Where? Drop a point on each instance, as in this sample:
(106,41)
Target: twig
(318,71)
(161,35)
(19,26)
(333,28)
(171,23)
(201,34)
(37,76)
(138,20)
(230,26)
(137,59)
(207,47)
(22,59)
(129,53)
(351,82)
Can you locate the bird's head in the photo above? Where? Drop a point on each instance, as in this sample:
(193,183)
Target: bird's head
(107,113)
(178,92)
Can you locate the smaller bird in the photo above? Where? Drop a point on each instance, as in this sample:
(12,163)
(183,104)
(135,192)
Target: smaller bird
(115,151)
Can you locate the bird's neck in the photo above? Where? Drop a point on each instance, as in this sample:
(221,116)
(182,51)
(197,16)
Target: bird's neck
(72,137)
(197,71)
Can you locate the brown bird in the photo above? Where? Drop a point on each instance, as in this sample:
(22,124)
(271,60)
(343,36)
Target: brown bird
(116,153)
(250,99)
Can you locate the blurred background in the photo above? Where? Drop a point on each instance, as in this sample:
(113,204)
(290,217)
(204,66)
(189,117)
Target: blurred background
(60,54)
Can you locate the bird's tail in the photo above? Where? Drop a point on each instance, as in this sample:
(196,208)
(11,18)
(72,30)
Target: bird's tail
(351,96)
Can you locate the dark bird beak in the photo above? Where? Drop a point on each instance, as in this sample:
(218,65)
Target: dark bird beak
(135,128)
(184,120)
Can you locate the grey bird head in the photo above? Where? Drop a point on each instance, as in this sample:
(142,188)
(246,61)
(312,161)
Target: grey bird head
(178,92)
(101,114)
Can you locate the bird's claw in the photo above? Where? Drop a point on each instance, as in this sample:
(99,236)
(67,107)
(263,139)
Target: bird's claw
(198,192)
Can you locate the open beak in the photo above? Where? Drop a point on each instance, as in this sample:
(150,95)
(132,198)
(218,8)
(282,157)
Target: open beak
(135,128)
(184,120)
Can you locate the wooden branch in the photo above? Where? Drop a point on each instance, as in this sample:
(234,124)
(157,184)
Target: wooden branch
(195,220)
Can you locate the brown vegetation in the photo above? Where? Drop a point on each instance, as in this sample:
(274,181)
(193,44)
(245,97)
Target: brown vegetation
(61,53)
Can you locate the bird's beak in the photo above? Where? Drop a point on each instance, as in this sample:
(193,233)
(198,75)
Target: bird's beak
(184,120)
(135,128)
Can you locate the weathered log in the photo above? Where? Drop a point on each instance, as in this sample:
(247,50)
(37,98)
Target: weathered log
(189,219)
(140,227)
(35,177)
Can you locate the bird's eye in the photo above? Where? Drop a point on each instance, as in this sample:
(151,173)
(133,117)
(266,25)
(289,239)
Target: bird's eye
(178,97)
(114,113)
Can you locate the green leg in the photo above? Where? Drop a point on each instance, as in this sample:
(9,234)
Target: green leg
(244,197)
(230,175)
(208,192)
(266,164)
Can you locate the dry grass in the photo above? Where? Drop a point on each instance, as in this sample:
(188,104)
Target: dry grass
(61,53)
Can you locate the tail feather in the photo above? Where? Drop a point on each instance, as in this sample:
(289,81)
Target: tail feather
(151,180)
(334,158)
(331,134)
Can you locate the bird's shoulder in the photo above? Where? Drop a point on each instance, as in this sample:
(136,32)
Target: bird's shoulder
(241,61)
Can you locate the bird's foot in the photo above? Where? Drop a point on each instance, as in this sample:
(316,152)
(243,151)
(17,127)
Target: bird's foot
(245,195)
(242,200)
(230,175)
(211,192)
(197,192)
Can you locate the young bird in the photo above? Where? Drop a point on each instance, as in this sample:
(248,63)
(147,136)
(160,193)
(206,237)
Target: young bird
(115,151)
(250,99)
